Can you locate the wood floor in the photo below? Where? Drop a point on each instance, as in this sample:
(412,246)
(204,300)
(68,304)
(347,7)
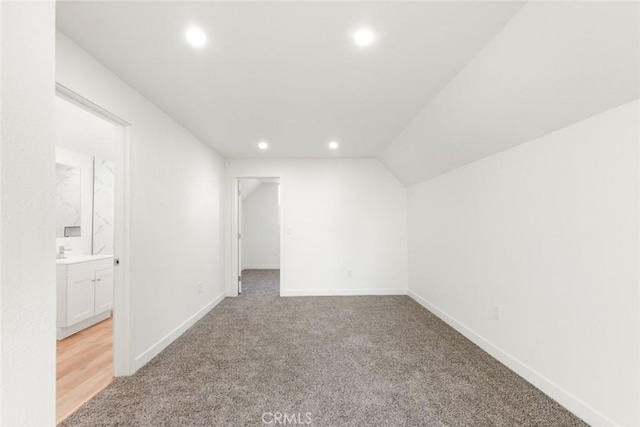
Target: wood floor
(84,367)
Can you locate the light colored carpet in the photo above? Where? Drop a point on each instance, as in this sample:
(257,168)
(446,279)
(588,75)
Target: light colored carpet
(348,361)
(263,284)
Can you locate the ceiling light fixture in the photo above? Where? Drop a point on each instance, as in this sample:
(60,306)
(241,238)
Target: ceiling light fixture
(196,37)
(334,145)
(263,145)
(363,37)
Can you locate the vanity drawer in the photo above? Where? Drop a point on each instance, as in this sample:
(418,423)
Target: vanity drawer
(89,267)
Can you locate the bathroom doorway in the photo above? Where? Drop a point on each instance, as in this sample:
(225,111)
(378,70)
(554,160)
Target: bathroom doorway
(259,241)
(89,174)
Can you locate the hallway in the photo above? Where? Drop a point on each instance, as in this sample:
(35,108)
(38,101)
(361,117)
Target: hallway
(260,284)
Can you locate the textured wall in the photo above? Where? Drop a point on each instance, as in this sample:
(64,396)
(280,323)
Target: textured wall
(27,214)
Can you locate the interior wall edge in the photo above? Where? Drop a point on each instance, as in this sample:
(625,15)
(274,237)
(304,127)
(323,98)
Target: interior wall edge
(410,185)
(382,160)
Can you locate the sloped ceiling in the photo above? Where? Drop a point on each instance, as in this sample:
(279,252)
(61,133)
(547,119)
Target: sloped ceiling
(554,64)
(448,83)
(248,186)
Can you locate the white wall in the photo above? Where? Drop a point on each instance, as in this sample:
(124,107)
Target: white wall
(338,216)
(27,214)
(83,132)
(248,185)
(549,232)
(176,207)
(261,228)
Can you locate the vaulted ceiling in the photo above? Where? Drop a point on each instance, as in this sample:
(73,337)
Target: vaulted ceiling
(554,64)
(445,83)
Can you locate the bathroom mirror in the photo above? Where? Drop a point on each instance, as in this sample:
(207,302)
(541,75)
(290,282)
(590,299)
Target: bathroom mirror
(68,200)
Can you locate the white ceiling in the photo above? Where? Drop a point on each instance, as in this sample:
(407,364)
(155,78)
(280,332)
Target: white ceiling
(447,83)
(287,72)
(247,186)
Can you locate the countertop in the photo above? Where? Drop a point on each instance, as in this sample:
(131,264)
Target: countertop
(74,259)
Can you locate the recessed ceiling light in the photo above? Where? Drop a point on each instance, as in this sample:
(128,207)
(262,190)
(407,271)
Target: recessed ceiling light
(263,145)
(363,37)
(334,145)
(196,37)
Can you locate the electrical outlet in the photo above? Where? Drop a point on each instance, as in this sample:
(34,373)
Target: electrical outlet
(199,287)
(349,274)
(496,312)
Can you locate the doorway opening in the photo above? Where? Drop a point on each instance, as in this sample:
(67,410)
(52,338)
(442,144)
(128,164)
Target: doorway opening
(259,241)
(89,215)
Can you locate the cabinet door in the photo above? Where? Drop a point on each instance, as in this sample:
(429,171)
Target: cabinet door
(80,297)
(104,290)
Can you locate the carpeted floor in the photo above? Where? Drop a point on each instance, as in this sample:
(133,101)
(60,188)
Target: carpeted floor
(346,361)
(264,284)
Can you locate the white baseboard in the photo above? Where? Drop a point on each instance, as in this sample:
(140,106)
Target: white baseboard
(155,349)
(557,393)
(339,292)
(261,267)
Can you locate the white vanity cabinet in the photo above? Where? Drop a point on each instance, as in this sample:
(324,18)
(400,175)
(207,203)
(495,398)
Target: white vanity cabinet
(85,292)
(80,294)
(104,290)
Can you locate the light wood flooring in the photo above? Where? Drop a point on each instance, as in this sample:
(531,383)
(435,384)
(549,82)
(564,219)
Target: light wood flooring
(84,367)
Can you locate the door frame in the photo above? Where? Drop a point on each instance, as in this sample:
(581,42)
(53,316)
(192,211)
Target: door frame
(122,346)
(235,227)
(239,235)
